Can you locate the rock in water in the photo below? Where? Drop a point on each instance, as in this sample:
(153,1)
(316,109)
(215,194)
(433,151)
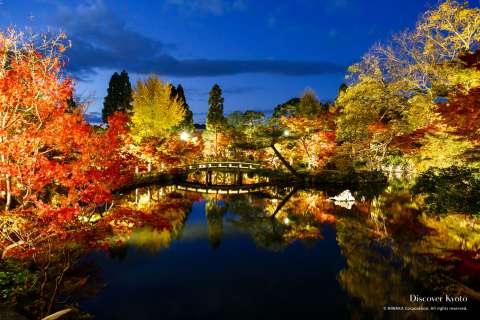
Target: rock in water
(345,196)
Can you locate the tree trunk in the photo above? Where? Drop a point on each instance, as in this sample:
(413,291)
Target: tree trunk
(8,194)
(8,188)
(285,162)
(216,145)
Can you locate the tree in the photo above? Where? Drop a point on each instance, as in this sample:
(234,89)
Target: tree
(396,89)
(215,118)
(187,122)
(311,140)
(286,108)
(119,97)
(154,109)
(309,105)
(53,164)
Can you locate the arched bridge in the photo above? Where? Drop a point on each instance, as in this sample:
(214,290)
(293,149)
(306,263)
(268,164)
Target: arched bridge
(225,166)
(237,168)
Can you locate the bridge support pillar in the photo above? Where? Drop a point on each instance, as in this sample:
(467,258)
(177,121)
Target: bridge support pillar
(209,177)
(239,177)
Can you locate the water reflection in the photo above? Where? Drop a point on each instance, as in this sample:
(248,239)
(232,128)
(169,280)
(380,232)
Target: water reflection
(373,255)
(215,210)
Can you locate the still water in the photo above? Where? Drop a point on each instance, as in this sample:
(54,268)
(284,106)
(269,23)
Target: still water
(274,254)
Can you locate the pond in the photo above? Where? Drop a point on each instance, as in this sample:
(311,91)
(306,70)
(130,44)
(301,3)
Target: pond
(228,258)
(277,253)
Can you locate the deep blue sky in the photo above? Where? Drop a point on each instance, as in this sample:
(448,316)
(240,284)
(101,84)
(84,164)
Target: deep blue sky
(261,52)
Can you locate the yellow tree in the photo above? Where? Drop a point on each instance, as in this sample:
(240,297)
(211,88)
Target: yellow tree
(154,110)
(396,87)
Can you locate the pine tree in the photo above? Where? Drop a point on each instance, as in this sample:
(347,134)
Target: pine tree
(119,97)
(188,120)
(215,118)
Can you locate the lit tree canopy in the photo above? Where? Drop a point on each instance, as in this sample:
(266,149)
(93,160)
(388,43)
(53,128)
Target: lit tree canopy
(396,88)
(154,109)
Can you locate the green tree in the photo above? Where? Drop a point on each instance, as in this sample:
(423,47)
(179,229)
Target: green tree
(216,121)
(215,117)
(187,122)
(309,104)
(286,108)
(119,97)
(154,110)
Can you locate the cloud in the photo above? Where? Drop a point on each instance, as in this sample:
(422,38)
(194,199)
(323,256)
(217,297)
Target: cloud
(215,7)
(230,90)
(240,89)
(101,40)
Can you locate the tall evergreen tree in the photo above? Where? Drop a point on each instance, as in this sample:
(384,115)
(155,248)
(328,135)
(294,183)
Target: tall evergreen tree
(215,118)
(119,97)
(179,94)
(188,120)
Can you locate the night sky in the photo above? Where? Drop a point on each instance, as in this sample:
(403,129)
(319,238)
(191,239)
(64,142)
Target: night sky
(261,52)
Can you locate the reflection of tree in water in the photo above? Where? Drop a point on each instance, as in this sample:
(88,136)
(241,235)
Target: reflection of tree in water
(285,216)
(215,210)
(266,232)
(373,274)
(53,278)
(252,215)
(157,205)
(385,265)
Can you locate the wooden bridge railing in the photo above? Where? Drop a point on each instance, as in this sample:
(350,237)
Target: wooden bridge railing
(223,165)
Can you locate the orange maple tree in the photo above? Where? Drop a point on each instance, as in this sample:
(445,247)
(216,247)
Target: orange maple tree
(53,165)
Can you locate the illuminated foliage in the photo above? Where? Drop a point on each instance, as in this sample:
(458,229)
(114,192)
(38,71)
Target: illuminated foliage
(454,189)
(398,89)
(154,109)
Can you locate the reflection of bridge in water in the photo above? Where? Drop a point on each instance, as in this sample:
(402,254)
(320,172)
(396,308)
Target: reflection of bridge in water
(221,189)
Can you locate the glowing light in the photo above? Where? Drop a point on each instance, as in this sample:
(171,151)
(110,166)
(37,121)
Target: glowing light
(286,133)
(286,221)
(184,136)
